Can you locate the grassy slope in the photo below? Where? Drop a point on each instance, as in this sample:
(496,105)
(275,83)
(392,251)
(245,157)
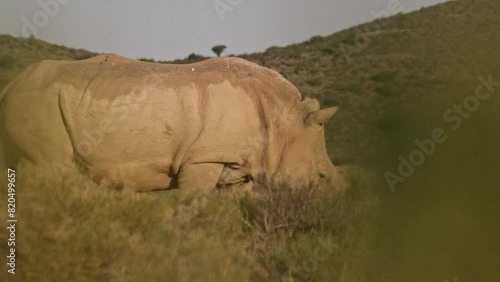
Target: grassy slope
(441,223)
(418,63)
(18,53)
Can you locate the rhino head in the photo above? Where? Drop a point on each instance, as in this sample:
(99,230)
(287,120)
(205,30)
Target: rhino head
(299,155)
(304,159)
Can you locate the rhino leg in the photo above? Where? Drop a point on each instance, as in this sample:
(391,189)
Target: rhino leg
(201,177)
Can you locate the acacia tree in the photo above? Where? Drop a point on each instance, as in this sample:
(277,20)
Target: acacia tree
(218,49)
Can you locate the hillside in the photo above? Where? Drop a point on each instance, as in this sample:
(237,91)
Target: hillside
(17,53)
(406,74)
(402,74)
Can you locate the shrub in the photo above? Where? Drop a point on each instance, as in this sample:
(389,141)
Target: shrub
(327,51)
(192,58)
(315,81)
(383,76)
(7,61)
(386,90)
(315,39)
(80,54)
(353,87)
(349,37)
(149,60)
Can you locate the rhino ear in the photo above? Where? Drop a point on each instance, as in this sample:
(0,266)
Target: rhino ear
(319,117)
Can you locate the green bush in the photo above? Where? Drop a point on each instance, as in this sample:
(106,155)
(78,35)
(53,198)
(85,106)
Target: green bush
(80,54)
(315,81)
(386,90)
(349,37)
(149,60)
(193,58)
(315,39)
(353,87)
(6,61)
(383,76)
(327,51)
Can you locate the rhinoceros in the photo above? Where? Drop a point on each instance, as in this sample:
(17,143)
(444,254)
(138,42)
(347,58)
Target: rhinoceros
(219,123)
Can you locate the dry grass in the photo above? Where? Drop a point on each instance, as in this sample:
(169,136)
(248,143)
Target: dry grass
(79,231)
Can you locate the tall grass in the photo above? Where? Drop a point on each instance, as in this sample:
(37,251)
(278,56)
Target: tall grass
(75,230)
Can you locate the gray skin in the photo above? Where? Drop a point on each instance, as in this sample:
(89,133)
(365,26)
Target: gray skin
(223,122)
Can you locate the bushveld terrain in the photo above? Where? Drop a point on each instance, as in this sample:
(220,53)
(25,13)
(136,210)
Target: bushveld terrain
(394,78)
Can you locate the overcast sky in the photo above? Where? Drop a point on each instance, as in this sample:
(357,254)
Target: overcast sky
(174,29)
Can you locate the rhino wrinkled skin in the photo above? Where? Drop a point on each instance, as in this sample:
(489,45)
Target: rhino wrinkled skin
(223,122)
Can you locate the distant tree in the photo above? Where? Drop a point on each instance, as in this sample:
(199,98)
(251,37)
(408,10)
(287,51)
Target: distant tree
(147,60)
(218,49)
(193,58)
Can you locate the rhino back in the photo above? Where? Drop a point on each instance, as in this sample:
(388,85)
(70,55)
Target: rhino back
(115,111)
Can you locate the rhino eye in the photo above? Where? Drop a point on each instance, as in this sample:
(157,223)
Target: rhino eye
(247,179)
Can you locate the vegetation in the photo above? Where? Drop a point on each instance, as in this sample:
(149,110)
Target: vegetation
(441,223)
(6,61)
(148,60)
(192,58)
(17,53)
(76,230)
(383,76)
(218,49)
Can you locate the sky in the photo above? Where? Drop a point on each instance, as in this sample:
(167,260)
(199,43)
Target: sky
(166,30)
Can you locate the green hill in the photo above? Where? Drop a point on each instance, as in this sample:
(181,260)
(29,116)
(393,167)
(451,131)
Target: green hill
(399,80)
(401,75)
(17,53)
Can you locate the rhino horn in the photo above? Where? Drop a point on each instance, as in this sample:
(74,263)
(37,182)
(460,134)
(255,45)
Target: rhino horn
(319,117)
